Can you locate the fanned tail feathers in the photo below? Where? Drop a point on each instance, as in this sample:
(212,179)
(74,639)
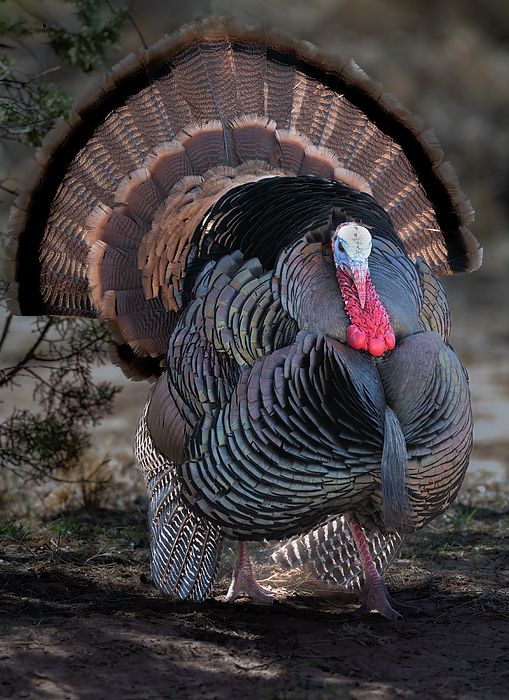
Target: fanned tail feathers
(216,94)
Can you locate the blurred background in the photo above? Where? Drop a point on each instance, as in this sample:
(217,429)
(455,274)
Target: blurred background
(445,60)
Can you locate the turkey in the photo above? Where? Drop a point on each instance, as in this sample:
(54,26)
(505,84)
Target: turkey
(263,230)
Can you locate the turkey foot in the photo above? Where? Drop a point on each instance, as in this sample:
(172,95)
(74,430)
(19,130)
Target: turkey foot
(376,600)
(243,580)
(374,595)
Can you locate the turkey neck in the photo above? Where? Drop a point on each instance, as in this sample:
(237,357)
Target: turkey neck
(369,329)
(311,294)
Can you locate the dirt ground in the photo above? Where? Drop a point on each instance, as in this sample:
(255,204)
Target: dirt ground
(80,619)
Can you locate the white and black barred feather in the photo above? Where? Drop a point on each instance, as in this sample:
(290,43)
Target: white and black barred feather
(185,549)
(328,553)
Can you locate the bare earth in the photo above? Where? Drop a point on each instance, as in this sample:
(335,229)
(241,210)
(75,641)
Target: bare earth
(80,619)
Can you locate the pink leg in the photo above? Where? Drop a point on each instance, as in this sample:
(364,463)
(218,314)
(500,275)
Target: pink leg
(374,595)
(243,580)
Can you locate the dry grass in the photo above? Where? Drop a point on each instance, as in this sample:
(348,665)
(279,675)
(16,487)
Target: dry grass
(103,479)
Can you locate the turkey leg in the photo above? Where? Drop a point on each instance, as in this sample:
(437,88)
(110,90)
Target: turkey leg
(374,595)
(243,580)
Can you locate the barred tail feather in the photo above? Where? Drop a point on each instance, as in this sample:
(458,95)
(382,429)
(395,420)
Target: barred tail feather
(185,548)
(329,553)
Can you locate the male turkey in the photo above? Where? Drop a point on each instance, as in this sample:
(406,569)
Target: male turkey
(260,215)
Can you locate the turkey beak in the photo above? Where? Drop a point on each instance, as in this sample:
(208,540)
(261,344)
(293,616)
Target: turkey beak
(359,271)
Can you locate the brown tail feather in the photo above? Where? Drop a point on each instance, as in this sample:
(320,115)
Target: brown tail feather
(176,111)
(168,165)
(254,138)
(205,146)
(292,147)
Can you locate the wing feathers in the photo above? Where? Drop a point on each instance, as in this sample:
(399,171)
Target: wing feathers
(185,548)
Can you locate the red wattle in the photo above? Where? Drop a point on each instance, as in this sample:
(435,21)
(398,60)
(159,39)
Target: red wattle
(370,329)
(390,341)
(355,337)
(376,345)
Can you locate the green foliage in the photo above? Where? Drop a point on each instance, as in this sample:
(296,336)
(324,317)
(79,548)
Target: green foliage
(68,526)
(231,554)
(460,516)
(55,434)
(15,28)
(43,442)
(29,106)
(15,530)
(46,442)
(136,536)
(101,28)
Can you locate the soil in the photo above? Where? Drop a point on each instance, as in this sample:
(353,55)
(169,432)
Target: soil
(80,619)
